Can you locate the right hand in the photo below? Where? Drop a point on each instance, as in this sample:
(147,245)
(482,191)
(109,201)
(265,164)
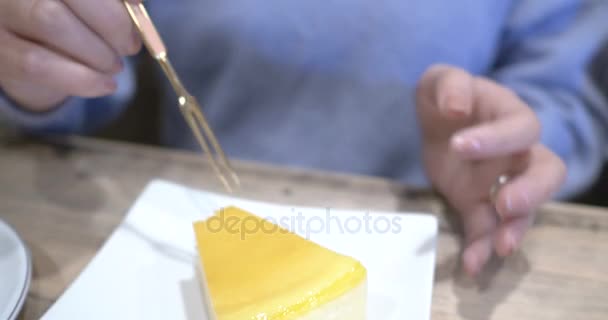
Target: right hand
(53,49)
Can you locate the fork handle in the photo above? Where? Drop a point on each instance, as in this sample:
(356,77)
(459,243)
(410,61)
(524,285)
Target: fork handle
(146,29)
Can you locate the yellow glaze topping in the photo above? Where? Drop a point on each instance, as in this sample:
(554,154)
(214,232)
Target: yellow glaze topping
(257,270)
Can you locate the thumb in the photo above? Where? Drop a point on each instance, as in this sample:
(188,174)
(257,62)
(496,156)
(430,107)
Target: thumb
(444,92)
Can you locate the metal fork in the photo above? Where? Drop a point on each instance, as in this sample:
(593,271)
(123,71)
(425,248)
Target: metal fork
(188,105)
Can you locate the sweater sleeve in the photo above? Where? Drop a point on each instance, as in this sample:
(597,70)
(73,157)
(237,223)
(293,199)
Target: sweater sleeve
(76,115)
(546,52)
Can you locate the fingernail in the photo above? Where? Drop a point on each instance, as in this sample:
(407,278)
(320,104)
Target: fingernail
(453,105)
(456,113)
(135,41)
(443,104)
(471,264)
(510,243)
(109,86)
(463,144)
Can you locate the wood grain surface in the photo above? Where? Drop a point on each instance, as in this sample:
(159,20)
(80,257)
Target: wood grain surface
(65,196)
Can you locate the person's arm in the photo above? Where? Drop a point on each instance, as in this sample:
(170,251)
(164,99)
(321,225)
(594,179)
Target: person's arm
(548,47)
(76,114)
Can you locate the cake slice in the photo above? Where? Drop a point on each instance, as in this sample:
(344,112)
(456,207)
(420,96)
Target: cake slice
(257,270)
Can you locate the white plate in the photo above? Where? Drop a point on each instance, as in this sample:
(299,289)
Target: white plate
(15,272)
(146,269)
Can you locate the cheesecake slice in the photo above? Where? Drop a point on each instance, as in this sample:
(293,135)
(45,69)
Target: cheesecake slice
(257,270)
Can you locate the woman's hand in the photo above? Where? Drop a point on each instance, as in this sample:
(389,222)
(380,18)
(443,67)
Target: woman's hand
(475,131)
(52,49)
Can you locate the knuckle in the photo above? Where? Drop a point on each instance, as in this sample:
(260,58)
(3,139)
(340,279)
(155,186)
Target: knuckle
(46,17)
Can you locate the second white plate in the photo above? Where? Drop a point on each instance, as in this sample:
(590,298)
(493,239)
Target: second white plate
(15,272)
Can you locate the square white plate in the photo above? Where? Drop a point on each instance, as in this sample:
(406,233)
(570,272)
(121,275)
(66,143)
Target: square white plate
(146,269)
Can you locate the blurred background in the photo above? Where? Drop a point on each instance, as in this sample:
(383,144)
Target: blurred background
(140,123)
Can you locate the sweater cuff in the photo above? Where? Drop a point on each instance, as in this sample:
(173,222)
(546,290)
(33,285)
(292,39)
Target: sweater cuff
(58,120)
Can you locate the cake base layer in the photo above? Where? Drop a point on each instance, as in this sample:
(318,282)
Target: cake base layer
(349,306)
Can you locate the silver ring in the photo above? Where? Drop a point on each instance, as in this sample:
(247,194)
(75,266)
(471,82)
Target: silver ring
(500,182)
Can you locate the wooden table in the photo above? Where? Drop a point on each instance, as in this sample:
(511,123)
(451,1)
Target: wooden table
(66,198)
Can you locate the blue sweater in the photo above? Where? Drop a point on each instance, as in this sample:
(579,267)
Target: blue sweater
(330,84)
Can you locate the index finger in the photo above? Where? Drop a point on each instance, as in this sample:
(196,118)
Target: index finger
(110,20)
(507,125)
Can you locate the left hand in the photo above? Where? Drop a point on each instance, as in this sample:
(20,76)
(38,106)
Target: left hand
(475,130)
